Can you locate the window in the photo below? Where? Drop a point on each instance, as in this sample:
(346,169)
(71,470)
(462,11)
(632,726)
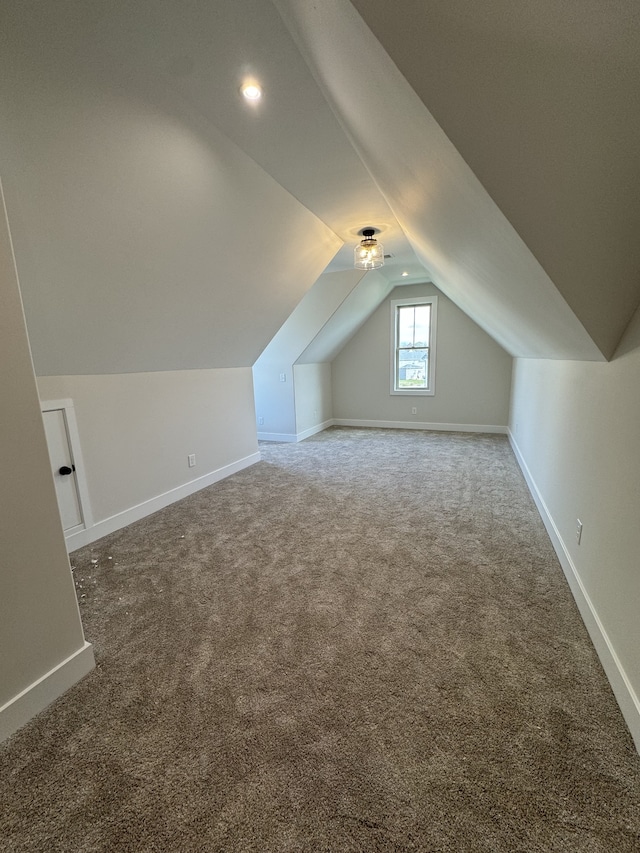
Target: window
(413,345)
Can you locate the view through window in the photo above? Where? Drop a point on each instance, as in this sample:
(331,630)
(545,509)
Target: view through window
(413,333)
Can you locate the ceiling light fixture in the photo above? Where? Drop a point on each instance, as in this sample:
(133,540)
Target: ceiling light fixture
(369,254)
(251,91)
(404,274)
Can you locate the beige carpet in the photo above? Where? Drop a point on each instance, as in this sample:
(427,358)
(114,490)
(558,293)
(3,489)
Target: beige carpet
(362,643)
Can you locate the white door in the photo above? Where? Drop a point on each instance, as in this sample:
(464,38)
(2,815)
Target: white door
(64,471)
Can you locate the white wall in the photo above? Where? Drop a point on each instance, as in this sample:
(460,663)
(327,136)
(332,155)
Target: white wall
(137,429)
(145,239)
(576,427)
(41,641)
(276,399)
(473,373)
(313,396)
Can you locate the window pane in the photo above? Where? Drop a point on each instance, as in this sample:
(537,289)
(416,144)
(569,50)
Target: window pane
(413,368)
(422,324)
(406,325)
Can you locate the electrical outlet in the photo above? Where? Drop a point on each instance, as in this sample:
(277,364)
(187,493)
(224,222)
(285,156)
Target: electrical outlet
(260,421)
(191,458)
(578,530)
(283,377)
(414,411)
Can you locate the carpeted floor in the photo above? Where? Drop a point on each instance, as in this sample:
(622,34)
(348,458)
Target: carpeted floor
(362,643)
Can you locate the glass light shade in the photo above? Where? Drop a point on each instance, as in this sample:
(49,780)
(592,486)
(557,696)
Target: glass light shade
(251,91)
(369,254)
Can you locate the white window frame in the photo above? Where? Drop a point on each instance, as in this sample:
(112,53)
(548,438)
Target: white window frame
(431,379)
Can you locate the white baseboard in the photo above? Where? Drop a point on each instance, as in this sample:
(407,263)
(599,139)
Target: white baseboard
(620,684)
(421,425)
(135,513)
(35,698)
(277,436)
(295,436)
(314,430)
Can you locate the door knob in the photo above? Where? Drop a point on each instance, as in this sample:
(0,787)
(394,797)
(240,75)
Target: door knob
(66,470)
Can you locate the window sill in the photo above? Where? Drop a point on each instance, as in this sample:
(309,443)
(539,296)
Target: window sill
(413,392)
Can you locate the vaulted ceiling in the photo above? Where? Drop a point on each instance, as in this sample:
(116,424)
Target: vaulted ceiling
(163,224)
(542,100)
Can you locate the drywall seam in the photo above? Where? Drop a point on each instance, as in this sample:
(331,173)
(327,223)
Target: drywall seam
(502,430)
(623,691)
(135,513)
(35,698)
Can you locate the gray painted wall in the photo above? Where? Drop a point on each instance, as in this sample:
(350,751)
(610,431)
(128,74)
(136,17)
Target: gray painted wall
(473,373)
(577,427)
(313,395)
(137,430)
(39,621)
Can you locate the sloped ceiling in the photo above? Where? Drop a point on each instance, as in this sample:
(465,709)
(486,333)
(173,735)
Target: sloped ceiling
(356,309)
(310,316)
(145,238)
(326,317)
(542,100)
(473,252)
(160,224)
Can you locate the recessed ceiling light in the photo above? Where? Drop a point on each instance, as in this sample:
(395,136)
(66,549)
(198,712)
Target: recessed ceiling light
(251,91)
(404,274)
